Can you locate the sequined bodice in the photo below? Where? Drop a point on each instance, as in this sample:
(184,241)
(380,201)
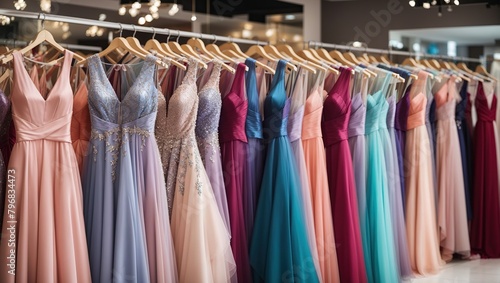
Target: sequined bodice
(4,107)
(140,100)
(276,106)
(209,107)
(183,106)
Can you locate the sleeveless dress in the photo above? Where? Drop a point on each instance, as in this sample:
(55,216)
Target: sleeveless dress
(452,216)
(464,138)
(296,115)
(201,240)
(400,124)
(207,135)
(4,109)
(337,110)
(382,253)
(234,148)
(125,205)
(485,226)
(80,124)
(421,226)
(277,249)
(256,149)
(314,154)
(46,221)
(395,197)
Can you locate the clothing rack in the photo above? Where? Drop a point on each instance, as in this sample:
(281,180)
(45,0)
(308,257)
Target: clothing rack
(15,42)
(121,27)
(392,52)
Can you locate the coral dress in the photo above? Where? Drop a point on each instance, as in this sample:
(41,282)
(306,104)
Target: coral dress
(46,221)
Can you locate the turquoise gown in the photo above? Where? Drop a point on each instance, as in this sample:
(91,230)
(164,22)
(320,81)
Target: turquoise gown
(382,248)
(278,250)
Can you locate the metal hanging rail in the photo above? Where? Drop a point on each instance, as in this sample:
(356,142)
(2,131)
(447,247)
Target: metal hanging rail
(391,52)
(120,26)
(15,42)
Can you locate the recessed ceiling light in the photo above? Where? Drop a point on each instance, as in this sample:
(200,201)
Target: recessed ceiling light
(289,17)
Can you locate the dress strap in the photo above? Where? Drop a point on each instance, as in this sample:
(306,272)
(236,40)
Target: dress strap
(280,73)
(239,79)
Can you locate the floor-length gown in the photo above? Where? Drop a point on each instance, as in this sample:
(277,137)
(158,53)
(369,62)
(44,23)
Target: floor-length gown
(400,124)
(80,124)
(421,226)
(383,250)
(464,139)
(395,197)
(45,224)
(207,135)
(256,149)
(485,226)
(357,147)
(201,240)
(277,250)
(234,146)
(4,109)
(336,113)
(314,154)
(295,118)
(452,216)
(125,205)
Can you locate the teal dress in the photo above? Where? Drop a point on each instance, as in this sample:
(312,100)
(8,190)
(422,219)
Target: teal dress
(279,251)
(382,248)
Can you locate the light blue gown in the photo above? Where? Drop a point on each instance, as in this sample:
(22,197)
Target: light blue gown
(382,248)
(279,251)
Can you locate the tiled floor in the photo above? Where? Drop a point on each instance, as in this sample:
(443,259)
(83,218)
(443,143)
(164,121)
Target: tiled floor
(475,271)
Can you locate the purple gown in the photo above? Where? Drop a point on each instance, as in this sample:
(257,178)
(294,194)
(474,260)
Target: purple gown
(400,125)
(207,136)
(234,146)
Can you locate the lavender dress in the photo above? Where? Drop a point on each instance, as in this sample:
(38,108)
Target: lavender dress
(256,153)
(207,136)
(357,145)
(400,125)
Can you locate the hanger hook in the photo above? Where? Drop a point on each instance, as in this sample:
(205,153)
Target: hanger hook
(215,39)
(154,32)
(258,43)
(178,35)
(230,39)
(133,26)
(201,36)
(42,19)
(168,34)
(121,29)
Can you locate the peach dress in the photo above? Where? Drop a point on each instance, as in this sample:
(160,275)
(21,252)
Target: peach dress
(47,221)
(421,226)
(315,157)
(452,213)
(80,124)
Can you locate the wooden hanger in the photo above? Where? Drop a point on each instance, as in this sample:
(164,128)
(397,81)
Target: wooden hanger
(271,49)
(480,69)
(154,45)
(5,76)
(4,49)
(350,56)
(288,50)
(259,50)
(373,60)
(42,37)
(176,48)
(307,55)
(200,45)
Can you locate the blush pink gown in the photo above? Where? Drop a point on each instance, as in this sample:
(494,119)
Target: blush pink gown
(49,233)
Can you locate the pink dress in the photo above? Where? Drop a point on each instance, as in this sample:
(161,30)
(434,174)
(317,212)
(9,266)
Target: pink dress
(49,233)
(452,213)
(315,156)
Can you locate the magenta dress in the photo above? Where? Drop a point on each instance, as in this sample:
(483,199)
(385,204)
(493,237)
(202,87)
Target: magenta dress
(234,147)
(336,113)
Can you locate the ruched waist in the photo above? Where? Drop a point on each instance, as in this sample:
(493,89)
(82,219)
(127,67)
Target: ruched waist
(295,125)
(58,130)
(415,120)
(334,131)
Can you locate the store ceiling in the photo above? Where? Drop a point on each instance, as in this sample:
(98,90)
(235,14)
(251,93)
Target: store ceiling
(419,3)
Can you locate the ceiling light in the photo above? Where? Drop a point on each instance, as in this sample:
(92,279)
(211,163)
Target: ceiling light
(102,17)
(447,1)
(122,11)
(20,5)
(155,15)
(457,2)
(357,44)
(141,21)
(290,17)
(270,32)
(297,38)
(149,18)
(65,27)
(133,12)
(4,20)
(153,9)
(248,26)
(173,10)
(193,18)
(246,33)
(45,5)
(136,5)
(426,5)
(434,2)
(412,3)
(157,3)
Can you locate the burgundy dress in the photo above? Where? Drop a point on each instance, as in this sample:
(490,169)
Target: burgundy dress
(336,113)
(234,146)
(485,230)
